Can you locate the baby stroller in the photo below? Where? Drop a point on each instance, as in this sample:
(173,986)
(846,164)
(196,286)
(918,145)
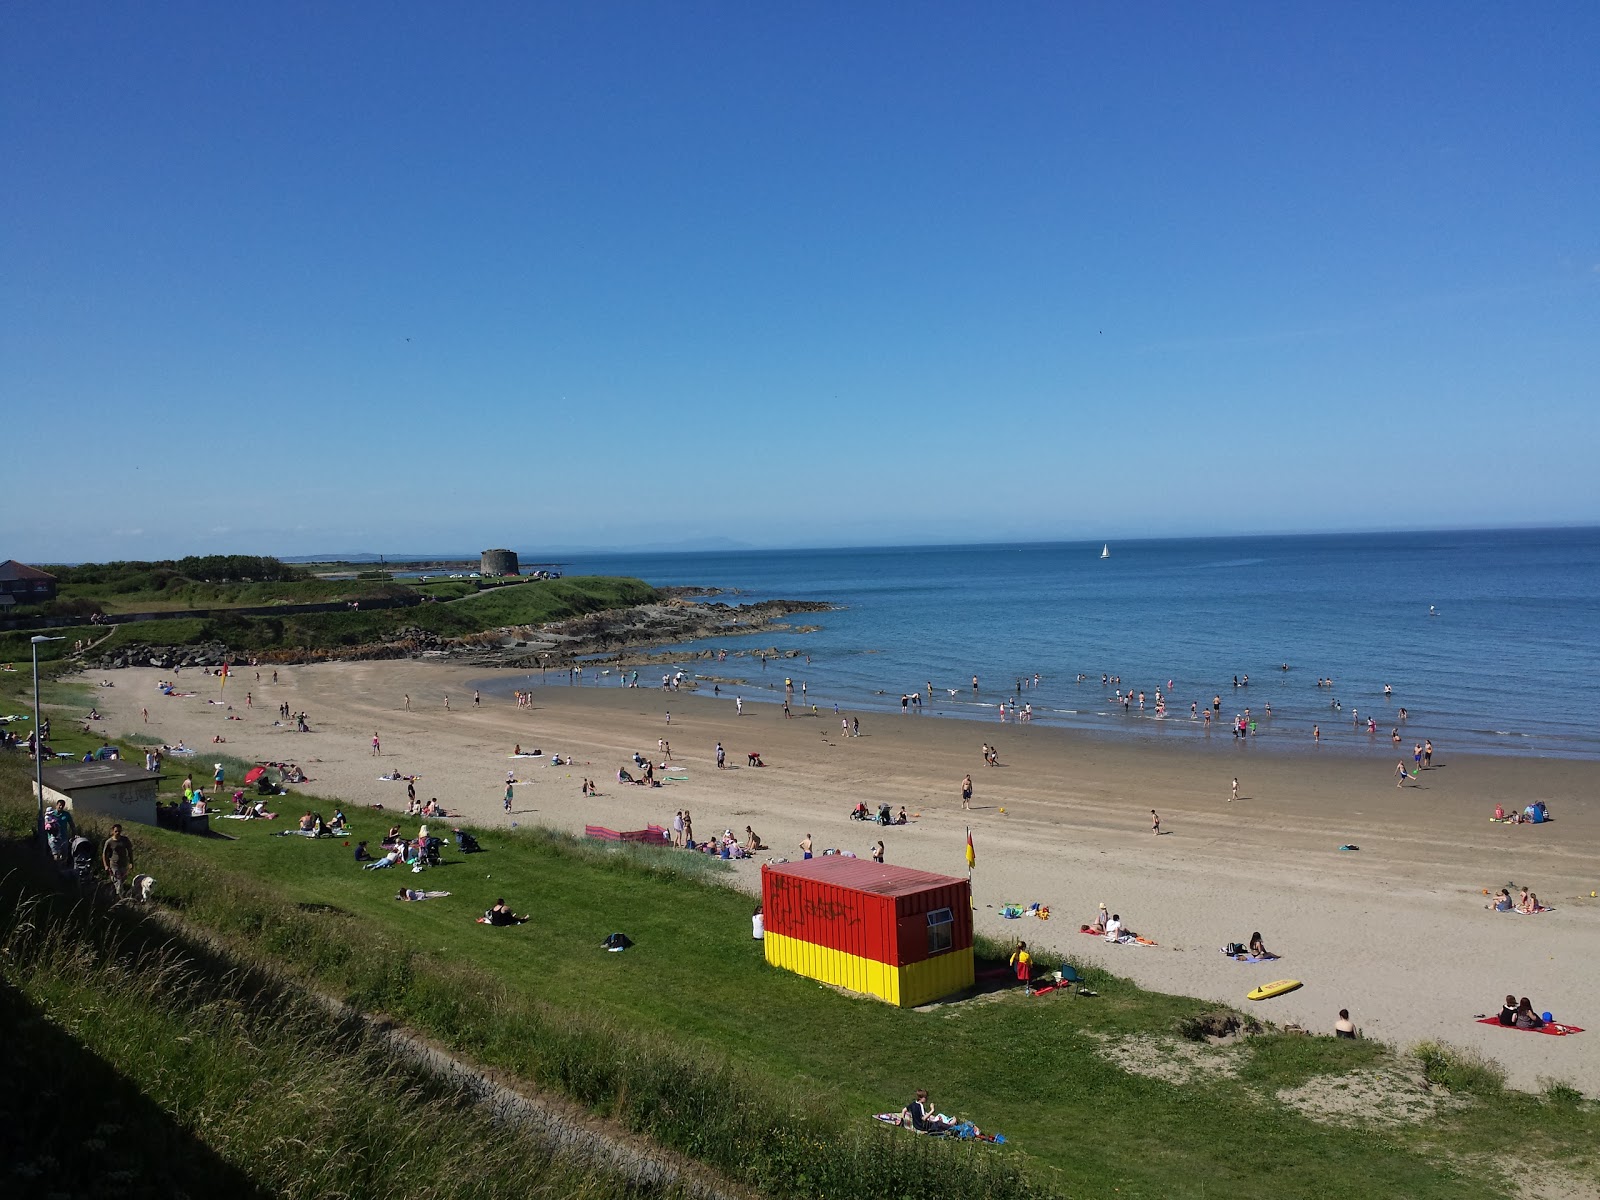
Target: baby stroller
(430,851)
(467,843)
(82,859)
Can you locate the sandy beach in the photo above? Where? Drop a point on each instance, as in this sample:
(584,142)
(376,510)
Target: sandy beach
(1396,931)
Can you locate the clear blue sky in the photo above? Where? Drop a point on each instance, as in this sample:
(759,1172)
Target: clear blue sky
(293,278)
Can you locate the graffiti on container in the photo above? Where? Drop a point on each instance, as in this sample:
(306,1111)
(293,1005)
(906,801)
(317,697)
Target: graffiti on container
(830,910)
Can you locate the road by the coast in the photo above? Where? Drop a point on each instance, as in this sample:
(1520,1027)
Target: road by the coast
(1396,931)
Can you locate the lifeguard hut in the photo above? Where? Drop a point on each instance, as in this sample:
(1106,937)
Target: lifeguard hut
(901,935)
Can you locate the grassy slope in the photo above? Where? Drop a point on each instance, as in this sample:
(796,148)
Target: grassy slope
(153,1070)
(697,980)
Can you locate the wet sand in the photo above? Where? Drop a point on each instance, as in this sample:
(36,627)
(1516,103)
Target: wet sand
(1397,931)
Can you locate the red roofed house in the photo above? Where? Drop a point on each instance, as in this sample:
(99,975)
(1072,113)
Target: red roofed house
(22,584)
(904,936)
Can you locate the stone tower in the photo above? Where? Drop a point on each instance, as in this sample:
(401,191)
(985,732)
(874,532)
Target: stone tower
(499,562)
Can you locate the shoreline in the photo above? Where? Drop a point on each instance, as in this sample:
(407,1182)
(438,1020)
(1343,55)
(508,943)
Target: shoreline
(1397,931)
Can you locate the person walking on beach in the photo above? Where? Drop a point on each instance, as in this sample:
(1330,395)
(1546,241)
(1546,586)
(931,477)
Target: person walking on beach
(117,857)
(805,846)
(510,789)
(1235,794)
(411,793)
(1427,755)
(477,699)
(877,853)
(721,756)
(374,743)
(677,829)
(855,727)
(738,706)
(447,702)
(966,791)
(1155,822)
(408,701)
(844,725)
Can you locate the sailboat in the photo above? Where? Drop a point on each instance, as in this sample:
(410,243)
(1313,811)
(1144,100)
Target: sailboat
(1105,551)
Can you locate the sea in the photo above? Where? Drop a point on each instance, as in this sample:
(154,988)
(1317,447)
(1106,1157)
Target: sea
(1490,640)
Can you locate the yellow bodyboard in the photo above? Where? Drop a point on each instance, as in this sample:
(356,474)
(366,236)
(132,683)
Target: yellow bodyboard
(1268,990)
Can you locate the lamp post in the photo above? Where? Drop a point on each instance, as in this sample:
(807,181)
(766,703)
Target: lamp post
(38,735)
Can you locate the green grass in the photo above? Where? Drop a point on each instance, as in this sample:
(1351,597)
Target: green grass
(157,1070)
(691,1038)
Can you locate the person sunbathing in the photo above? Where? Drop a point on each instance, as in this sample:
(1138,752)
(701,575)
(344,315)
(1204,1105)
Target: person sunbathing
(1533,904)
(752,840)
(1525,1017)
(1508,1011)
(920,1116)
(391,859)
(1258,948)
(501,914)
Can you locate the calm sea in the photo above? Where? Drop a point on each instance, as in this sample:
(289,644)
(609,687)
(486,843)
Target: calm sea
(1490,640)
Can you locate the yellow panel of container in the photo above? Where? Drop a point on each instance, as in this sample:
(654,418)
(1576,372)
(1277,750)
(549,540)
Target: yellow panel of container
(907,987)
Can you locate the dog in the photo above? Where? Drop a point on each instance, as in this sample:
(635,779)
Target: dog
(140,887)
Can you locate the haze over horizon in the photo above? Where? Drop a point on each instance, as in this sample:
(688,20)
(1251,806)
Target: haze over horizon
(289,280)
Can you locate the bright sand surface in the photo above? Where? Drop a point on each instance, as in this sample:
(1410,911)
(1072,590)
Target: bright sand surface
(1397,932)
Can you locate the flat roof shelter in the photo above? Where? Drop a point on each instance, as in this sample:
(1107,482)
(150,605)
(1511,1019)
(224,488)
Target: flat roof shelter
(901,935)
(110,788)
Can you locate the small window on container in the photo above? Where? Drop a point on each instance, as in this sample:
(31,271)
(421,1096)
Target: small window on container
(941,930)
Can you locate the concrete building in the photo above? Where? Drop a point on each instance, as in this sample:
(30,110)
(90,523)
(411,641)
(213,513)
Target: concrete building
(499,562)
(110,789)
(22,584)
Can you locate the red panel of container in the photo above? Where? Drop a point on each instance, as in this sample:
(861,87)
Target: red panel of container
(862,908)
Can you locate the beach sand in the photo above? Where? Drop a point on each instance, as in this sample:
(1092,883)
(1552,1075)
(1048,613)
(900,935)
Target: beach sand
(1397,931)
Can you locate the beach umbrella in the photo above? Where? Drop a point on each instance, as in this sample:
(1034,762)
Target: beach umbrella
(254,773)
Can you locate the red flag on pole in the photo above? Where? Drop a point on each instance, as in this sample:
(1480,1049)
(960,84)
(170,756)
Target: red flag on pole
(972,857)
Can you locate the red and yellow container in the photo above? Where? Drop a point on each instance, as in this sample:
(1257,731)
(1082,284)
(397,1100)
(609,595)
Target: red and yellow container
(904,936)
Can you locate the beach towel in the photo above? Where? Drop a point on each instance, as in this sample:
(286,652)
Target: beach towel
(1553,1028)
(1540,911)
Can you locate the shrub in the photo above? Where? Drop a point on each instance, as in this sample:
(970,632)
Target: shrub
(1459,1069)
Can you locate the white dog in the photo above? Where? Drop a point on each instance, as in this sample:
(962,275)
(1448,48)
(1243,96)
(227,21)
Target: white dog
(140,888)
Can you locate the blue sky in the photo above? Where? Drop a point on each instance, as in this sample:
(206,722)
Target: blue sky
(297,278)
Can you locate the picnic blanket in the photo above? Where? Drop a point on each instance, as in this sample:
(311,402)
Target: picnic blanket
(964,1130)
(1553,1028)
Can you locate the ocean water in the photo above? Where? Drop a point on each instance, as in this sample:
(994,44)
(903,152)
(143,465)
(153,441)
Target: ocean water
(1490,640)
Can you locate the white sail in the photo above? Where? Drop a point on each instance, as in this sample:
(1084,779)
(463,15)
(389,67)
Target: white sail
(1105,551)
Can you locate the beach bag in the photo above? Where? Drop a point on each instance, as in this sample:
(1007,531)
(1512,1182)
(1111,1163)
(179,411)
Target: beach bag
(1233,948)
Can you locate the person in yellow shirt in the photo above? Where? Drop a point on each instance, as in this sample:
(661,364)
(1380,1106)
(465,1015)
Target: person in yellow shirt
(1023,962)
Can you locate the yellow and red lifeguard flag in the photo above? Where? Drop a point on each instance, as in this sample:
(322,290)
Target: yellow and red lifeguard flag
(972,857)
(224,677)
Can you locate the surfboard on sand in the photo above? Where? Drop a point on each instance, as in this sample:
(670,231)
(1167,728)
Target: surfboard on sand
(1276,988)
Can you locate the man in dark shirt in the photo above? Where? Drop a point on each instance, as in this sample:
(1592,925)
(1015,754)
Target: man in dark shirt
(117,857)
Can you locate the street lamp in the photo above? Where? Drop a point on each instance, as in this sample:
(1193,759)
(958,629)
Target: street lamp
(38,736)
